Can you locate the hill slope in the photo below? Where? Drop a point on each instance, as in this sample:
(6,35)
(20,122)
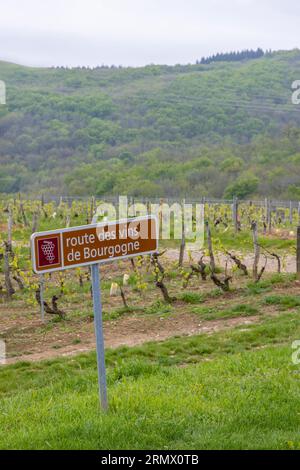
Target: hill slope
(214,129)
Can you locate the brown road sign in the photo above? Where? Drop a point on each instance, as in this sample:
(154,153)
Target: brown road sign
(91,244)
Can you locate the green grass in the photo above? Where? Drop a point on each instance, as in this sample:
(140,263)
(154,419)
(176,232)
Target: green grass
(284,302)
(242,398)
(243,241)
(115,314)
(213,313)
(245,401)
(158,307)
(192,298)
(259,288)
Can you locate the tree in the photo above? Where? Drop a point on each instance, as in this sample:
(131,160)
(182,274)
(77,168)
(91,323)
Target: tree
(243,187)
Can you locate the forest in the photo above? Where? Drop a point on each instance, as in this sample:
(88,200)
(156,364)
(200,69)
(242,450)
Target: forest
(222,127)
(232,56)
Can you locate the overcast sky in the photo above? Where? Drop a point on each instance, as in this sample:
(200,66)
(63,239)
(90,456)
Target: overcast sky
(139,32)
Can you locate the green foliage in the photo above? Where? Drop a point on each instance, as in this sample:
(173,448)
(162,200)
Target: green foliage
(204,130)
(213,313)
(192,298)
(232,165)
(234,56)
(243,187)
(283,301)
(158,307)
(259,288)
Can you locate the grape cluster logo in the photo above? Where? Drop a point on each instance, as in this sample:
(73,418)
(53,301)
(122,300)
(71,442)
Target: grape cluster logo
(48,252)
(48,248)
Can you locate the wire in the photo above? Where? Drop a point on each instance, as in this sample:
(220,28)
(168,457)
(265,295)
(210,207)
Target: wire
(178,99)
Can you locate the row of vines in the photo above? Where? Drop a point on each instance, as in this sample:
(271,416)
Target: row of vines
(221,260)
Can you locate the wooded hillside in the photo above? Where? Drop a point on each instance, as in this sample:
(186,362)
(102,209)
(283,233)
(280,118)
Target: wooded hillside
(218,129)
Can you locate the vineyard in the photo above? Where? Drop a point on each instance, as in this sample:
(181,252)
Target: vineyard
(198,340)
(249,248)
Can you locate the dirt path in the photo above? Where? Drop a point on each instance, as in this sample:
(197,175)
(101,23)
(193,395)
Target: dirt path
(133,331)
(129,330)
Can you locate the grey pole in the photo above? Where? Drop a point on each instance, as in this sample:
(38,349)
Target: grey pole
(99,335)
(42,298)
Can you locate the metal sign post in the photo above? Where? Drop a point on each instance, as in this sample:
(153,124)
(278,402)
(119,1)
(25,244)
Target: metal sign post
(92,245)
(99,335)
(42,297)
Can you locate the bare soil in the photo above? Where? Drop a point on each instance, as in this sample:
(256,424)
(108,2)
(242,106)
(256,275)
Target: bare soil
(31,341)
(127,331)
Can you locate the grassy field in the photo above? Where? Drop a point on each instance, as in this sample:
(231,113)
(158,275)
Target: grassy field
(230,390)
